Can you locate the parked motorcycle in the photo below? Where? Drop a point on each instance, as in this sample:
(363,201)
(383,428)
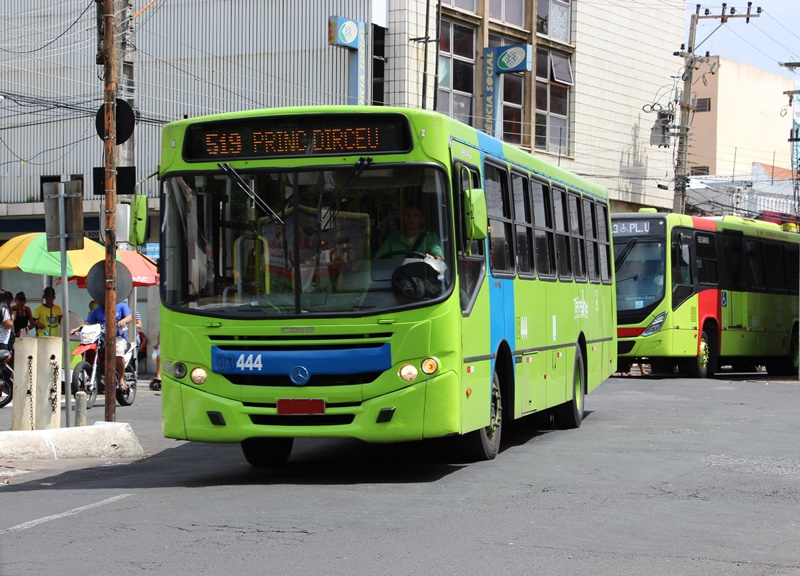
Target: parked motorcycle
(89,374)
(6,377)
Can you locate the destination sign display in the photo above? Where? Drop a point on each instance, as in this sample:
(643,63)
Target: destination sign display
(637,226)
(300,135)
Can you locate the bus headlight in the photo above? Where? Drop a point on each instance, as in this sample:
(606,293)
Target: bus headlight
(179,370)
(655,325)
(198,375)
(408,372)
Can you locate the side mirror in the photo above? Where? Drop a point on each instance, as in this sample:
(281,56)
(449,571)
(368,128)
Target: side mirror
(475,214)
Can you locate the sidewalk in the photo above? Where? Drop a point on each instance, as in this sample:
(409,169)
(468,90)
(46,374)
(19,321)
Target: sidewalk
(136,433)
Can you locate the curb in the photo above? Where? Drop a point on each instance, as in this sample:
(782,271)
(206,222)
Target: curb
(101,440)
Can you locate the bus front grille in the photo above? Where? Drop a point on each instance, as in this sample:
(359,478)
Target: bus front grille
(303,420)
(315,380)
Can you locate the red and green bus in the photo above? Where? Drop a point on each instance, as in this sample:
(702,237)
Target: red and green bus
(280,321)
(696,294)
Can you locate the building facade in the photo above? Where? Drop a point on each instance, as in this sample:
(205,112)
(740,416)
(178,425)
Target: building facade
(741,115)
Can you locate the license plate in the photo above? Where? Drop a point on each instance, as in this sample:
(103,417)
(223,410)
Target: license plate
(287,406)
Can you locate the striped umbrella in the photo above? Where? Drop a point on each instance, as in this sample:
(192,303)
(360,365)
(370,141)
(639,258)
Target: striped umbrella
(28,252)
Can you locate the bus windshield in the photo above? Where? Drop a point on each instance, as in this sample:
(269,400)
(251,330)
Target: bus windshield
(352,240)
(640,273)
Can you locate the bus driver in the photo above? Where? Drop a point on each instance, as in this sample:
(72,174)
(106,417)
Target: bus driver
(413,238)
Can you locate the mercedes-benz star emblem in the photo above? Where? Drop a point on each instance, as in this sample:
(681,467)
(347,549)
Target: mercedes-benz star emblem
(299,375)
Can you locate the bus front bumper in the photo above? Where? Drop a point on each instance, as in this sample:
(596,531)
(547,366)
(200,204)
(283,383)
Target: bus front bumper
(427,409)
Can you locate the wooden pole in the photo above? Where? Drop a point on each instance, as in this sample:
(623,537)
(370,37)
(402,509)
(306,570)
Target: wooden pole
(110,146)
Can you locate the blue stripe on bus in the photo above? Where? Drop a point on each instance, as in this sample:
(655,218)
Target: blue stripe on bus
(502,323)
(490,145)
(282,362)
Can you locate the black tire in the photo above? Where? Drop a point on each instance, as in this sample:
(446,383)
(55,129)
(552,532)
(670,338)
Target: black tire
(787,365)
(484,444)
(267,452)
(570,414)
(126,397)
(6,386)
(81,380)
(705,364)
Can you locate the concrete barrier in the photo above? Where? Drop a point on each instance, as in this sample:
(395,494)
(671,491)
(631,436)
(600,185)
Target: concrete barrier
(101,440)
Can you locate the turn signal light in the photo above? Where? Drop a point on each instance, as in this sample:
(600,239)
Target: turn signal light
(430,365)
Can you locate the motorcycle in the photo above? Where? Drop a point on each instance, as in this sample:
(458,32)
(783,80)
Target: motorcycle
(6,377)
(89,375)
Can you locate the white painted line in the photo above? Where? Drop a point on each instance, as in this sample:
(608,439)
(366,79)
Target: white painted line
(32,523)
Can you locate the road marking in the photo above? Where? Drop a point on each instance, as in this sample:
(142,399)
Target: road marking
(32,523)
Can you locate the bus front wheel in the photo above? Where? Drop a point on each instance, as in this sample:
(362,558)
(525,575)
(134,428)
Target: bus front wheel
(266,452)
(484,444)
(704,364)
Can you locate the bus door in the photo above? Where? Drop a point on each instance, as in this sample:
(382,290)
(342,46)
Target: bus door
(477,364)
(734,305)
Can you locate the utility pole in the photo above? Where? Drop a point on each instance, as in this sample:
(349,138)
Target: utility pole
(109,56)
(794,140)
(690,63)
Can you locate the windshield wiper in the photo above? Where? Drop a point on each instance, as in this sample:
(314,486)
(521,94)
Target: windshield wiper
(624,254)
(234,175)
(357,170)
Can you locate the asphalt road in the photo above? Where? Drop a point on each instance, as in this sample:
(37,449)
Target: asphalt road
(665,477)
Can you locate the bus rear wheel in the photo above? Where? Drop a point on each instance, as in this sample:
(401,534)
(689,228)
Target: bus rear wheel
(787,365)
(570,414)
(266,452)
(484,444)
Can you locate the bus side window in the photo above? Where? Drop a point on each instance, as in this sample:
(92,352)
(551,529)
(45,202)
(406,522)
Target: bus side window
(682,283)
(706,258)
(603,242)
(563,247)
(544,238)
(576,232)
(590,227)
(470,258)
(501,231)
(755,271)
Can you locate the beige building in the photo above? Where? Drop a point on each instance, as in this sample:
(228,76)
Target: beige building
(741,116)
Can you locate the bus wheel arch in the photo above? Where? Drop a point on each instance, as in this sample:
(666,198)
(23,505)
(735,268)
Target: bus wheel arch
(484,443)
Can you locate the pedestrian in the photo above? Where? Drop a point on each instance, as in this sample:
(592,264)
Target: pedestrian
(22,315)
(47,316)
(6,322)
(155,383)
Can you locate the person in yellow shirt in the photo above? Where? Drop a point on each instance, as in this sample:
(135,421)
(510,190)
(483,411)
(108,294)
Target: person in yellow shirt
(47,316)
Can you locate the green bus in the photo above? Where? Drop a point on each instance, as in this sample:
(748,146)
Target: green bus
(696,294)
(492,298)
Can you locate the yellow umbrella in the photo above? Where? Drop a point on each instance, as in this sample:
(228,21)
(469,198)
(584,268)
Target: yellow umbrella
(28,252)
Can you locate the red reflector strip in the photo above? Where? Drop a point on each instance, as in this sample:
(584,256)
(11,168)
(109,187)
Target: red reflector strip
(629,332)
(288,406)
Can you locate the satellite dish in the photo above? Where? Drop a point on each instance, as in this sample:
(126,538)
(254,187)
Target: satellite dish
(96,282)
